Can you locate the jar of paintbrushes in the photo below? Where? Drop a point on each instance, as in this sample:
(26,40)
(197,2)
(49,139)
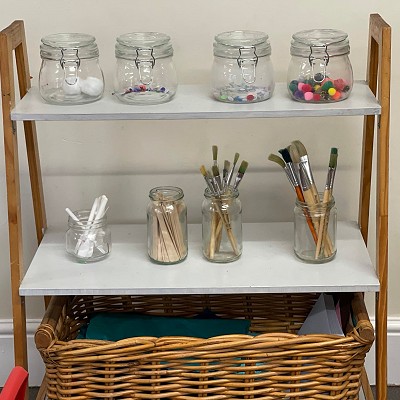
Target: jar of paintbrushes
(222,225)
(318,244)
(167,225)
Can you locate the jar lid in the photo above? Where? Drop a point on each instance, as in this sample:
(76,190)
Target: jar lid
(335,42)
(54,45)
(127,45)
(230,44)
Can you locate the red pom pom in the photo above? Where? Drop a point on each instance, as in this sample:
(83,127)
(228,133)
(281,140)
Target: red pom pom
(250,97)
(339,84)
(306,88)
(317,97)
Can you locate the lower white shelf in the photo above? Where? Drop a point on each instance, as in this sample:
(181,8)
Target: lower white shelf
(267,265)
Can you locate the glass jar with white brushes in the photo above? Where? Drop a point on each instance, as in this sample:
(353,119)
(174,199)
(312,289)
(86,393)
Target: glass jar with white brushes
(88,237)
(167,239)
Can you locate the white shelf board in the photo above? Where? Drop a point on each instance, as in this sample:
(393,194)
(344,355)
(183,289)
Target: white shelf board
(267,265)
(195,102)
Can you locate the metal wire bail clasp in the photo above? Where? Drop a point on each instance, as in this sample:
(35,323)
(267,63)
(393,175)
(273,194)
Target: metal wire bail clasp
(145,62)
(70,63)
(247,62)
(318,69)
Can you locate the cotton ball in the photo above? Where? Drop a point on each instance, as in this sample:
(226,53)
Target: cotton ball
(92,86)
(72,89)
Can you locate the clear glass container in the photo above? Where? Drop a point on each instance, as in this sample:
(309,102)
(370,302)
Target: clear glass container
(145,73)
(222,226)
(315,231)
(88,242)
(70,72)
(167,241)
(320,70)
(242,70)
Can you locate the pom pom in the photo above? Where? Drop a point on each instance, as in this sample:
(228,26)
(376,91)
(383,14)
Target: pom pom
(339,84)
(293,86)
(331,91)
(92,86)
(317,97)
(72,89)
(250,97)
(337,95)
(308,96)
(300,85)
(306,88)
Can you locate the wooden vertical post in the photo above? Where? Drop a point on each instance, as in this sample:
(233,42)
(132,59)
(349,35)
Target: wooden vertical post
(378,77)
(12,40)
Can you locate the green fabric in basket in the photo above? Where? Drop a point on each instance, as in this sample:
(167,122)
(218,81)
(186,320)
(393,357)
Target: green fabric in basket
(117,326)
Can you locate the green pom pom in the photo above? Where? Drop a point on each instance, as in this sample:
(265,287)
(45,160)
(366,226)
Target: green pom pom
(327,85)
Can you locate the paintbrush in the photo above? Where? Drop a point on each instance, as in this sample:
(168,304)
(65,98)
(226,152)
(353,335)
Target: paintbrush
(225,172)
(305,161)
(299,192)
(276,159)
(217,177)
(322,234)
(241,171)
(230,175)
(215,155)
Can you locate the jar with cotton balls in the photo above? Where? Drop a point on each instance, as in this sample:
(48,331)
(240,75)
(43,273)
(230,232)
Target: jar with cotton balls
(70,72)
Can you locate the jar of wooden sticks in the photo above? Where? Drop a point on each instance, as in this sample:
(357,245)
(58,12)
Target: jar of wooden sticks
(315,230)
(222,226)
(167,225)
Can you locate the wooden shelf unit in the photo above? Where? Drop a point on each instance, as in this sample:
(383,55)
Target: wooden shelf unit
(369,99)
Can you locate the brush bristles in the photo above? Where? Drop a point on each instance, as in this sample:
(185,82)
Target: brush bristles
(294,153)
(285,155)
(333,157)
(203,171)
(236,158)
(243,167)
(215,170)
(227,165)
(215,152)
(276,159)
(300,148)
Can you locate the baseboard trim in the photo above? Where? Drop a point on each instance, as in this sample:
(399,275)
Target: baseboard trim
(36,368)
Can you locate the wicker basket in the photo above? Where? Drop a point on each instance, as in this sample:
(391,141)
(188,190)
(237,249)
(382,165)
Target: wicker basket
(274,364)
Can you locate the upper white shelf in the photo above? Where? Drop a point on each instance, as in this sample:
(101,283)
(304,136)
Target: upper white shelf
(195,102)
(267,265)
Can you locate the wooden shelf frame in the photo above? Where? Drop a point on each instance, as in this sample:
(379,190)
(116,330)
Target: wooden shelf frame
(12,41)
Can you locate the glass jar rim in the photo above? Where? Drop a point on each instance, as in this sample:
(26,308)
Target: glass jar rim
(304,205)
(233,193)
(83,216)
(333,41)
(229,44)
(128,44)
(166,193)
(54,46)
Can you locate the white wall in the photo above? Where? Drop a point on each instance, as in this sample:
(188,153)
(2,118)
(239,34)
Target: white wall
(125,159)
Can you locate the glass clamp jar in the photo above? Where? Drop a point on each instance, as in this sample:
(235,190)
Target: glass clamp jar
(145,73)
(222,226)
(242,70)
(320,70)
(167,241)
(70,72)
(315,231)
(88,242)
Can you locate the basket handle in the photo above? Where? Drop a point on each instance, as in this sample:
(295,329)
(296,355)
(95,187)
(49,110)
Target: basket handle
(45,334)
(362,323)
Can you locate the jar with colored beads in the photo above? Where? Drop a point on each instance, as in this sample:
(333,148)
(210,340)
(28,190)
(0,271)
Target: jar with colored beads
(320,70)
(70,72)
(242,70)
(145,73)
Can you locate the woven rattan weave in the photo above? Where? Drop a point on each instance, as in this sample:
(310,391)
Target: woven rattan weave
(273,364)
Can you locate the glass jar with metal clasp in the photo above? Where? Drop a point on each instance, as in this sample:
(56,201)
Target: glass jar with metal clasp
(242,70)
(320,70)
(145,73)
(70,72)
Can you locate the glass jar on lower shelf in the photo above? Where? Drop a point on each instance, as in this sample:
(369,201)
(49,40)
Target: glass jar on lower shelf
(167,240)
(222,226)
(88,242)
(70,72)
(145,73)
(315,231)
